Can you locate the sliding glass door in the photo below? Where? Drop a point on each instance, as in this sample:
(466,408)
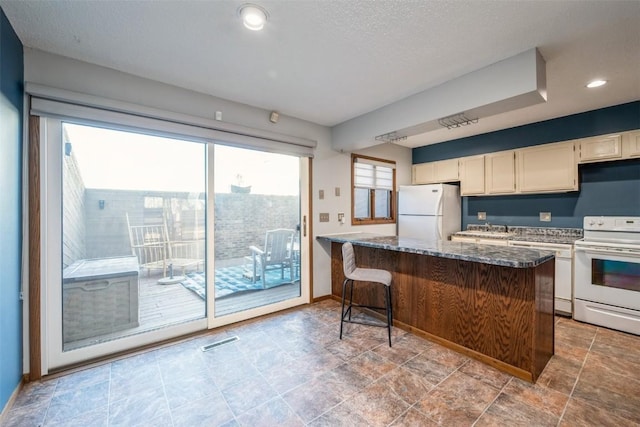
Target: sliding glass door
(148,237)
(257,225)
(132,228)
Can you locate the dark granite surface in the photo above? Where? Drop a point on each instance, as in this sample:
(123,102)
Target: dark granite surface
(487,254)
(565,236)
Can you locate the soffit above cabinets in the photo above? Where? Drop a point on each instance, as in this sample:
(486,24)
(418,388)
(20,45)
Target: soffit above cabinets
(511,84)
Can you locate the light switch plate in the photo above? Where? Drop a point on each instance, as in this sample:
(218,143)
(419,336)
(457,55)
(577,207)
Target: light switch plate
(337,191)
(482,215)
(341,217)
(324,217)
(545,216)
(321,194)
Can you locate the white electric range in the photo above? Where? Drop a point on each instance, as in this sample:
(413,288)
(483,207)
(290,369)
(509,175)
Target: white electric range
(607,273)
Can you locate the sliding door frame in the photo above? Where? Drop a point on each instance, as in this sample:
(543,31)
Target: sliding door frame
(41,270)
(53,354)
(35,284)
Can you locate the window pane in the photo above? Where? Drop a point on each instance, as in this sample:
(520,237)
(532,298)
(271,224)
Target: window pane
(257,224)
(133,231)
(361,203)
(370,174)
(383,204)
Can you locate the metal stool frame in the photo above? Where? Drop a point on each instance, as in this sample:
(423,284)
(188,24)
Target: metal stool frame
(347,286)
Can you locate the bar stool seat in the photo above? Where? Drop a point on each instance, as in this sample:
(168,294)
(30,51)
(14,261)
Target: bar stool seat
(354,274)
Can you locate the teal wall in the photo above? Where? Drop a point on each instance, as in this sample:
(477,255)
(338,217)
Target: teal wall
(11,108)
(608,188)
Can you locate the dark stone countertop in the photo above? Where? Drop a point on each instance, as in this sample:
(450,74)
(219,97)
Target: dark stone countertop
(563,236)
(488,254)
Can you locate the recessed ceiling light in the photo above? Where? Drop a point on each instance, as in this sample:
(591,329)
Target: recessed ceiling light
(253,16)
(596,83)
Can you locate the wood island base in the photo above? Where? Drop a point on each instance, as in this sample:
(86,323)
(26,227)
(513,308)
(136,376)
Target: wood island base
(502,316)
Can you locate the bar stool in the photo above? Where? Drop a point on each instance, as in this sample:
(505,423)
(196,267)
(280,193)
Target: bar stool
(354,274)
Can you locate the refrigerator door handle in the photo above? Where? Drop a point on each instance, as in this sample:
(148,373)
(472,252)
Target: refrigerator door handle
(439,208)
(439,216)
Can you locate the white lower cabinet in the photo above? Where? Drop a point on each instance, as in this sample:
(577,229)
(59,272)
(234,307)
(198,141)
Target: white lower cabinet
(563,274)
(480,240)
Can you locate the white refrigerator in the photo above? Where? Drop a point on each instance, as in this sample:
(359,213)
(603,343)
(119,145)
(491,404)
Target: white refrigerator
(429,212)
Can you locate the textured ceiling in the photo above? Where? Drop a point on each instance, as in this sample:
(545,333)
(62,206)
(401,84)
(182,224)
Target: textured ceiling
(329,61)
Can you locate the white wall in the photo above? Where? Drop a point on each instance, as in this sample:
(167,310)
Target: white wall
(330,168)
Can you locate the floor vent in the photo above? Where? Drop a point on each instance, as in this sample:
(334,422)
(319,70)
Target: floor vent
(219,343)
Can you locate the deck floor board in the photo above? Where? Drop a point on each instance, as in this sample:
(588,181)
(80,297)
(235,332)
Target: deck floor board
(165,305)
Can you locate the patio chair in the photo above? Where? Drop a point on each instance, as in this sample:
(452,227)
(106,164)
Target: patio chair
(155,251)
(277,254)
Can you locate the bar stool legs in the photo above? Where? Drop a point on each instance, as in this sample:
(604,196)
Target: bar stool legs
(389,311)
(347,287)
(354,274)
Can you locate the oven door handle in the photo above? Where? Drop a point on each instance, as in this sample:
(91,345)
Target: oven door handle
(612,251)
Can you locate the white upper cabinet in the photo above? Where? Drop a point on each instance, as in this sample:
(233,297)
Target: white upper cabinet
(447,170)
(631,147)
(422,173)
(599,148)
(471,175)
(434,172)
(500,172)
(547,168)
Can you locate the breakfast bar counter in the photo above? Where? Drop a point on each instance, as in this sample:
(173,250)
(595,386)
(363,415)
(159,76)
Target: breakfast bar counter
(489,302)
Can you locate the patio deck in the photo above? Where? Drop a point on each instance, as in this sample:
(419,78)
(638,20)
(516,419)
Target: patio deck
(164,305)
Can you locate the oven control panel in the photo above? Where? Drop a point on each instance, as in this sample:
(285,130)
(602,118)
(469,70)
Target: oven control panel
(613,223)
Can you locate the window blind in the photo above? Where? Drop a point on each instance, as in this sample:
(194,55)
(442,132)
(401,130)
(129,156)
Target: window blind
(89,109)
(373,174)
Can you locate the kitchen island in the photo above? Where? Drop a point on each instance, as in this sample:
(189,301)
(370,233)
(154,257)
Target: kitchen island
(491,303)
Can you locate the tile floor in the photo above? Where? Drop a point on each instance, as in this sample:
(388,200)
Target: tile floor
(291,370)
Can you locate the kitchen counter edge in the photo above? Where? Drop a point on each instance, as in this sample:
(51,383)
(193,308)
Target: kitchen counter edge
(505,256)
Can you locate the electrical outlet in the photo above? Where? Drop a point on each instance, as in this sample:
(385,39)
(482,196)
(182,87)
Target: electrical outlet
(324,217)
(545,216)
(218,115)
(482,215)
(321,194)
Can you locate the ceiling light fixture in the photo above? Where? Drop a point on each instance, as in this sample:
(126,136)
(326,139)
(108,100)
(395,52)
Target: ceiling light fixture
(456,121)
(596,83)
(253,16)
(391,137)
